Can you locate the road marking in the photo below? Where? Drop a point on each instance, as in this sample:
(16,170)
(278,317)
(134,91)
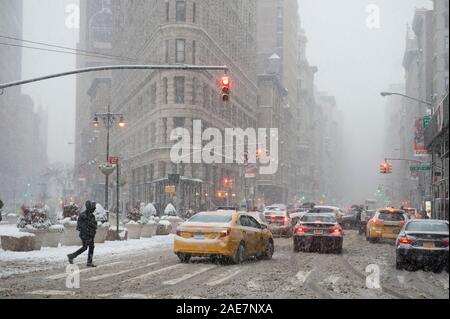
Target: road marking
(188,276)
(96,278)
(64,275)
(53,293)
(302,276)
(228,275)
(153,273)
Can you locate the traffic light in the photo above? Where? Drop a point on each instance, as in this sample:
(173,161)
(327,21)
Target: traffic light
(227,182)
(386,168)
(225,87)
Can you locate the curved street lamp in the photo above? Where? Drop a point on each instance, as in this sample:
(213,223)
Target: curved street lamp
(384,94)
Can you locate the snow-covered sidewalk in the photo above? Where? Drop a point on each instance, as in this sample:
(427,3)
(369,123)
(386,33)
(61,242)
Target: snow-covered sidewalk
(48,258)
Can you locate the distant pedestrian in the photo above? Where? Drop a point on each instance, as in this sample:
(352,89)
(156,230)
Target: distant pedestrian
(87,226)
(1,206)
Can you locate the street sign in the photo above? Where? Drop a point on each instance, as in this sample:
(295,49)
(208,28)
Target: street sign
(420,167)
(426,121)
(113,160)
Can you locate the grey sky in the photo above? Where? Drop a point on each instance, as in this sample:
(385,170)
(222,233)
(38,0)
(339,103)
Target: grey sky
(355,64)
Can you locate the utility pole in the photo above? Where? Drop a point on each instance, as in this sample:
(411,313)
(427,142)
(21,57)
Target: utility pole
(109,119)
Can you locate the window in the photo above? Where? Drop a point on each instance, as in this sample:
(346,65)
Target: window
(179,89)
(194,12)
(194,91)
(180,51)
(181,11)
(153,93)
(167,10)
(194,51)
(167,51)
(165,91)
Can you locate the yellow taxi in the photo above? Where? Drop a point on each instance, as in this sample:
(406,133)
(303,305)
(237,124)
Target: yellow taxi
(386,223)
(229,235)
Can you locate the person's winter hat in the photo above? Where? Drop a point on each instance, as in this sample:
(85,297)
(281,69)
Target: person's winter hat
(89,205)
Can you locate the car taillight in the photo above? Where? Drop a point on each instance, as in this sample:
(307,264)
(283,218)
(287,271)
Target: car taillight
(377,221)
(301,230)
(445,242)
(405,240)
(335,230)
(225,233)
(179,233)
(286,219)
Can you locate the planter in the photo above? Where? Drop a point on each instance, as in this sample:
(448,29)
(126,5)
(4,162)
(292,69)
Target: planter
(174,221)
(19,242)
(102,234)
(134,231)
(112,234)
(164,228)
(149,230)
(71,236)
(39,237)
(53,239)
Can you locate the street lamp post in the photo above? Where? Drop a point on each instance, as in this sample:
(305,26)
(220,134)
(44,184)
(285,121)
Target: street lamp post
(109,120)
(384,94)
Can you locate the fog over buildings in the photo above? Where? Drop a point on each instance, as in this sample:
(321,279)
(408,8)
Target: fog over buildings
(354,64)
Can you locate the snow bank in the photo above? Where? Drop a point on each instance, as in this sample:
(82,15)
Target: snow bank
(49,258)
(12,231)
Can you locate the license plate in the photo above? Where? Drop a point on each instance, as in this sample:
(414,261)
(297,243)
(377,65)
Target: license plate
(429,245)
(199,236)
(396,231)
(318,232)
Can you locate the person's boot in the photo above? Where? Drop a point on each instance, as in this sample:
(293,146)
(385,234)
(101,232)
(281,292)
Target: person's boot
(91,265)
(70,257)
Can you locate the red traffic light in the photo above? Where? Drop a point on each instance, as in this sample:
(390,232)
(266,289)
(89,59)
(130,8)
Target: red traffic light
(225,88)
(386,168)
(226,82)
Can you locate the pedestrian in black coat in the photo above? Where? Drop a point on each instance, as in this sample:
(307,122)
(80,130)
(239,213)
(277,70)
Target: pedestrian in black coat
(87,226)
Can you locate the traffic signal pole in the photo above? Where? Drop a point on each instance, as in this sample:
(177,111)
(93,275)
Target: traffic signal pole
(115,67)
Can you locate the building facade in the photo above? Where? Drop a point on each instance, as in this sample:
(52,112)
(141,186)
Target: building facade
(154,103)
(23,132)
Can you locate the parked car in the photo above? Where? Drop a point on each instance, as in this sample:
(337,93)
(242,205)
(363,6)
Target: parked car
(320,232)
(229,235)
(385,224)
(423,243)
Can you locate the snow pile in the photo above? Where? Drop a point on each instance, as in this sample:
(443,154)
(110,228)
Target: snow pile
(56,229)
(68,222)
(35,218)
(71,211)
(165,222)
(170,210)
(101,214)
(149,210)
(48,258)
(13,231)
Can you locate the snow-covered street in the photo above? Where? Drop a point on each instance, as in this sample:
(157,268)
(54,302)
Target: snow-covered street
(147,268)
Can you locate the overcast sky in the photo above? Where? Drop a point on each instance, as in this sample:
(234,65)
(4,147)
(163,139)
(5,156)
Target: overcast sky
(355,64)
(45,21)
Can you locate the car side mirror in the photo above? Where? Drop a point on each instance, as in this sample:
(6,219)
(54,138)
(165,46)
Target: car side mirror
(263,226)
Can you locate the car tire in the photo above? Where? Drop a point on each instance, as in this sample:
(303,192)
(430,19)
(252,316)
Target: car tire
(373,240)
(238,258)
(446,267)
(339,250)
(184,258)
(399,264)
(437,269)
(268,253)
(296,248)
